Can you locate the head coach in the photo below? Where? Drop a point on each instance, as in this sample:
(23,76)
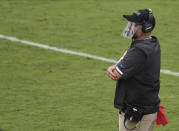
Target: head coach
(137,74)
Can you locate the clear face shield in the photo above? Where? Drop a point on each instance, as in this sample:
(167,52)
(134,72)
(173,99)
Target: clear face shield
(129,30)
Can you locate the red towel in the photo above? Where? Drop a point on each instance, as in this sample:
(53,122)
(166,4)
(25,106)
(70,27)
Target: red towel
(161,117)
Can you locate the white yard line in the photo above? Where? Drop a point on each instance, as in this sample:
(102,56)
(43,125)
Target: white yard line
(14,39)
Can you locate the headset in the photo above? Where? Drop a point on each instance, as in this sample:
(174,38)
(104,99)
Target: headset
(147,26)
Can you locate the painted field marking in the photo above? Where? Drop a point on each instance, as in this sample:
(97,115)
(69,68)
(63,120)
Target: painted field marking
(14,39)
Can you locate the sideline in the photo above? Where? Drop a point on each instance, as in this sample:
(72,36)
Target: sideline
(14,39)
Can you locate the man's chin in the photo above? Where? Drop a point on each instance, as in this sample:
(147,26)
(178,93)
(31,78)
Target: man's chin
(134,37)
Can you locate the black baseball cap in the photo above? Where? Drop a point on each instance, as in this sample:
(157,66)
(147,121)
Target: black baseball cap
(140,16)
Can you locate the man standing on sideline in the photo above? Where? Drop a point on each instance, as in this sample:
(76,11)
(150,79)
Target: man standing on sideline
(137,74)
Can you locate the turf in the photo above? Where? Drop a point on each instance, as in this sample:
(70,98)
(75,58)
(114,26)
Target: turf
(43,90)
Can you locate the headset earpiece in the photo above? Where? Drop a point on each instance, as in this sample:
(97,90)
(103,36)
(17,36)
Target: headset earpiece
(147,25)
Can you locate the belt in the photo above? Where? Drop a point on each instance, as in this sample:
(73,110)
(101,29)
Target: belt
(145,109)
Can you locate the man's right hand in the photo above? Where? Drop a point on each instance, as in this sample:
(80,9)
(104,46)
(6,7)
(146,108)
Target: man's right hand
(110,72)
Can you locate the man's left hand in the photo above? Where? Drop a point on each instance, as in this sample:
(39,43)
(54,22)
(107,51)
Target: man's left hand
(112,73)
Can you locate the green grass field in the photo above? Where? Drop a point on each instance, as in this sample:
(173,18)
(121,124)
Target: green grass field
(43,90)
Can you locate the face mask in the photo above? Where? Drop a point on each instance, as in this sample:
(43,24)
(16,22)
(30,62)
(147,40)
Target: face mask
(129,30)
